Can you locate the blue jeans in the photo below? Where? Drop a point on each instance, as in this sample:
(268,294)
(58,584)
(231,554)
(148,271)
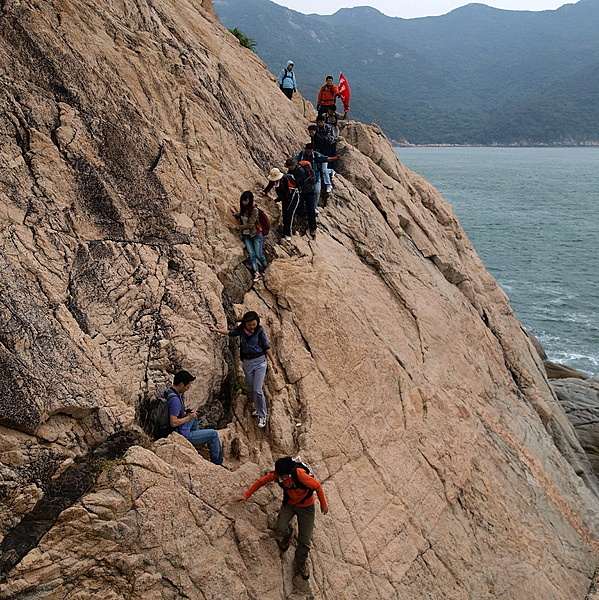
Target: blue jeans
(326,173)
(199,436)
(317,186)
(254,248)
(255,371)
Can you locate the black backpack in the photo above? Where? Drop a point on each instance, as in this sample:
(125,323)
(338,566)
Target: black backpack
(287,188)
(159,420)
(297,484)
(310,177)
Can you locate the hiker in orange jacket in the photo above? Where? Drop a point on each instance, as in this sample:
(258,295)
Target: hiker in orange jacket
(327,96)
(298,486)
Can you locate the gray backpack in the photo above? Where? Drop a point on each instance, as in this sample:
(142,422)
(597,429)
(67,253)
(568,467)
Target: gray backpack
(160,421)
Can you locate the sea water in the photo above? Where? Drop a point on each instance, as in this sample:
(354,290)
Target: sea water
(533,216)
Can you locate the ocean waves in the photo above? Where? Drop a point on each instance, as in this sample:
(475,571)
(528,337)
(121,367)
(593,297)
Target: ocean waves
(531,214)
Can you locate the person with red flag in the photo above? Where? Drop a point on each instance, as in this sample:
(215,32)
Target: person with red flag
(327,96)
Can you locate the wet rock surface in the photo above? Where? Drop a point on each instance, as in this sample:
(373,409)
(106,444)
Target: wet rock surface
(128,130)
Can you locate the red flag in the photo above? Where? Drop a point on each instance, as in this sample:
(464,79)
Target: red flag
(344,92)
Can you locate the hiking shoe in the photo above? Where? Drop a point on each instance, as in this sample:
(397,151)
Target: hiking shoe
(304,569)
(257,276)
(262,422)
(315,211)
(286,541)
(287,238)
(255,413)
(313,233)
(329,189)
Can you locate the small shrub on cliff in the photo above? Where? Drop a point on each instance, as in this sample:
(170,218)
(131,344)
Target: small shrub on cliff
(244,40)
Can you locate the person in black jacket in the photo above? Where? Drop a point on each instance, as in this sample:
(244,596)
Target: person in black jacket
(254,350)
(306,185)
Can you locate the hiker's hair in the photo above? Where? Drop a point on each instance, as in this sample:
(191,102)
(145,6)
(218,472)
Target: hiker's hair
(284,465)
(183,377)
(246,209)
(249,316)
(329,77)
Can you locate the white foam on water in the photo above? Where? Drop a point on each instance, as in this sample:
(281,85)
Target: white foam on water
(531,216)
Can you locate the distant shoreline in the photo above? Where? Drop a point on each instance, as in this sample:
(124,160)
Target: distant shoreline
(397,144)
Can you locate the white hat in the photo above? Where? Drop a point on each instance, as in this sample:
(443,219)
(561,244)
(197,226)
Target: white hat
(274,175)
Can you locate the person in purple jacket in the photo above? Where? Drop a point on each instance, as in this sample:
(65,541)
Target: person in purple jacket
(184,420)
(254,350)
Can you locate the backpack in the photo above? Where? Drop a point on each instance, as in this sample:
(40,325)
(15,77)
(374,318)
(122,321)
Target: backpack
(327,134)
(159,420)
(331,120)
(310,177)
(324,141)
(297,483)
(263,222)
(287,190)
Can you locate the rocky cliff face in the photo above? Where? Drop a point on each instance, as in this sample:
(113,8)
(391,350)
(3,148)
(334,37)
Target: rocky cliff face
(128,128)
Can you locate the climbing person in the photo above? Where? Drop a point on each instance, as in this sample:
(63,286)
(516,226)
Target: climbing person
(325,136)
(251,232)
(298,486)
(185,422)
(317,160)
(254,350)
(332,118)
(287,194)
(305,181)
(327,96)
(321,146)
(287,81)
(325,139)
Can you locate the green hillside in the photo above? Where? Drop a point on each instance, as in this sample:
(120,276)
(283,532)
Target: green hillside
(476,75)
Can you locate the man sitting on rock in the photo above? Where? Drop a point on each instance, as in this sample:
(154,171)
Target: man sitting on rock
(298,500)
(184,421)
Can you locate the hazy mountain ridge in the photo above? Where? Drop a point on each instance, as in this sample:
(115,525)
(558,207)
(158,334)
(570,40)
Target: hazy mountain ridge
(448,79)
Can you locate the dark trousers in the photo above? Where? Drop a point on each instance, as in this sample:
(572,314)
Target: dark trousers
(288,92)
(289,208)
(305,527)
(310,205)
(323,110)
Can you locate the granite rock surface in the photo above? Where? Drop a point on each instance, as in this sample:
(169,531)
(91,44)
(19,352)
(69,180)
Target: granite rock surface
(128,130)
(580,399)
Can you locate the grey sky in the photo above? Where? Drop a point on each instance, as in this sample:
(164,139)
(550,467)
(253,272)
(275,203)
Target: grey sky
(410,9)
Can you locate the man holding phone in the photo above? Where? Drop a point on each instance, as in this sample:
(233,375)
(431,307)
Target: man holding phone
(184,421)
